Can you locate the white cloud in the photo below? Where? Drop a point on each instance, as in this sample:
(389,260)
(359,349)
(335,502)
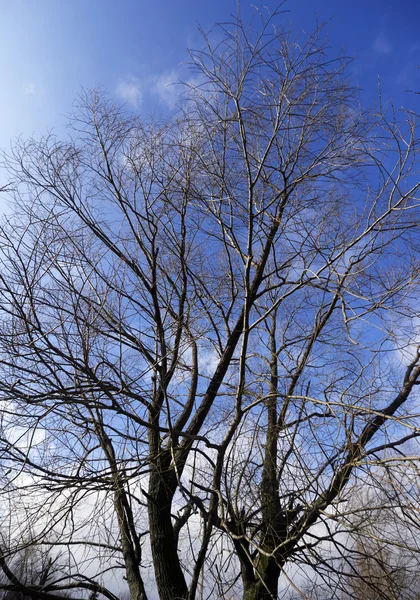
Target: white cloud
(414,48)
(166,88)
(381,45)
(29,89)
(130,89)
(407,338)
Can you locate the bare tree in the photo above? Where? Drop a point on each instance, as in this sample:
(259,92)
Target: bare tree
(205,322)
(29,568)
(383,546)
(377,548)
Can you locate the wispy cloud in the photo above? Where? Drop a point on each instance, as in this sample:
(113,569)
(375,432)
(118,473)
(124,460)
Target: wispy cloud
(382,45)
(172,87)
(414,48)
(29,89)
(130,89)
(166,88)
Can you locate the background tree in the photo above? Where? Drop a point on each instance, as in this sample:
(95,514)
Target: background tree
(204,321)
(29,568)
(384,538)
(377,549)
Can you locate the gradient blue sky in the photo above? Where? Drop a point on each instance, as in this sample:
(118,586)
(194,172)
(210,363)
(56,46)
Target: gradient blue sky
(135,48)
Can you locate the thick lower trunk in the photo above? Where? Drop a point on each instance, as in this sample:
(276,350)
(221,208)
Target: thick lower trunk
(134,580)
(130,543)
(265,588)
(131,549)
(170,579)
(264,582)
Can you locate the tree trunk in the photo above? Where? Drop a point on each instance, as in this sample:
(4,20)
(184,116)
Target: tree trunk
(264,584)
(130,542)
(266,587)
(131,559)
(170,579)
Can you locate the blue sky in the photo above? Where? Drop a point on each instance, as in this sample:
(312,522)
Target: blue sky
(135,48)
